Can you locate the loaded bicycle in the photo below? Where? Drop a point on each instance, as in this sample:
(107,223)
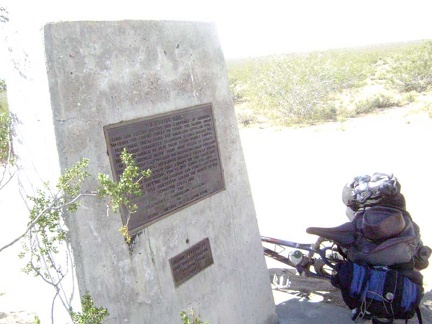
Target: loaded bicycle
(374,260)
(309,259)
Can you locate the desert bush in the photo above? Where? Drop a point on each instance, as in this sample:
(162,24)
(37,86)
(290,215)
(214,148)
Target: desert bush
(410,71)
(374,102)
(5,128)
(427,107)
(2,86)
(300,88)
(327,112)
(90,313)
(4,137)
(191,318)
(45,235)
(246,118)
(307,88)
(409,97)
(237,95)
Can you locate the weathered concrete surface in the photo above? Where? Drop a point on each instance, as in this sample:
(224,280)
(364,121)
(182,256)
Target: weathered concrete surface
(100,73)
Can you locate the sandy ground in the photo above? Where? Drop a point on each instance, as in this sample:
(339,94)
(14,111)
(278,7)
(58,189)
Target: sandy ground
(296,176)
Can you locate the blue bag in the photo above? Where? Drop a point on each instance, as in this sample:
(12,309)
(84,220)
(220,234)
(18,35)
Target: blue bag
(376,292)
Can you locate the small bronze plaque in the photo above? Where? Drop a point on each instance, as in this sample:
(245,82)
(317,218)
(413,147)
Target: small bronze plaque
(181,150)
(191,261)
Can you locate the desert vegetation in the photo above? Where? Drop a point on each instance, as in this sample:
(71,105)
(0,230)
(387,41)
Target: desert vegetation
(309,88)
(5,147)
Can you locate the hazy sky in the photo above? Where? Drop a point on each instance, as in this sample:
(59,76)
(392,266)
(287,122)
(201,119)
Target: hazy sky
(250,28)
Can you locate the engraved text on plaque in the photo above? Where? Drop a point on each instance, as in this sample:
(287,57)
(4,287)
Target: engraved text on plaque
(180,149)
(191,261)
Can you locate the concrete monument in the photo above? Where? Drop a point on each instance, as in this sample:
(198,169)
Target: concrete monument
(160,90)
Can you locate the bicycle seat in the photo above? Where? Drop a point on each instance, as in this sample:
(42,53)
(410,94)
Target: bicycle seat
(344,234)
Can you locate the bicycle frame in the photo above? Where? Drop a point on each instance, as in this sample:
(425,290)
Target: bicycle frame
(303,267)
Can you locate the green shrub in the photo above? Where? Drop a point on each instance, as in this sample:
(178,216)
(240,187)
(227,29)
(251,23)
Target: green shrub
(4,137)
(237,95)
(5,128)
(90,313)
(327,112)
(312,87)
(376,101)
(2,86)
(246,118)
(300,88)
(410,71)
(191,318)
(427,107)
(409,97)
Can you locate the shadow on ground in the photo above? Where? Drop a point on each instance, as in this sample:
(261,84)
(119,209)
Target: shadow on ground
(302,300)
(302,311)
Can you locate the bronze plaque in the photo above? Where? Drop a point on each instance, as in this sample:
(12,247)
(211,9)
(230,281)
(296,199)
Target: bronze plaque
(191,261)
(181,150)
